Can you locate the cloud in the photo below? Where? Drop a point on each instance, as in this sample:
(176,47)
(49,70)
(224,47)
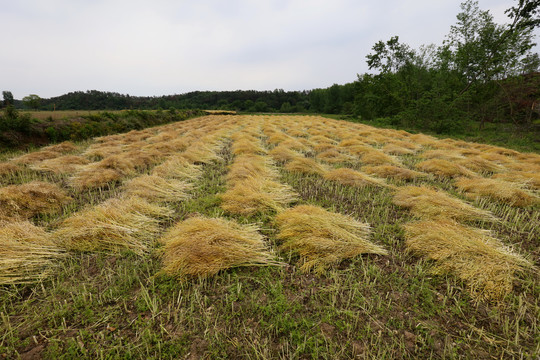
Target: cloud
(164,46)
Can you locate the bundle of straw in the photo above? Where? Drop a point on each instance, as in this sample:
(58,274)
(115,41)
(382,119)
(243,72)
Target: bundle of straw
(428,203)
(113,226)
(497,189)
(323,238)
(201,247)
(488,267)
(155,188)
(26,253)
(352,177)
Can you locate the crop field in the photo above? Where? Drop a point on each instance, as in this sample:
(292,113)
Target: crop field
(269,237)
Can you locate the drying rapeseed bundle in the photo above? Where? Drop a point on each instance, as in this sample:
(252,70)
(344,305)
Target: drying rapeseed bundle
(27,200)
(393,172)
(201,247)
(444,168)
(479,164)
(36,156)
(103,150)
(375,157)
(255,195)
(9,168)
(63,147)
(305,166)
(250,166)
(247,146)
(155,188)
(91,176)
(428,203)
(394,149)
(450,155)
(481,261)
(323,238)
(200,153)
(524,178)
(324,147)
(294,144)
(178,167)
(333,156)
(283,154)
(352,177)
(113,226)
(26,253)
(496,189)
(65,164)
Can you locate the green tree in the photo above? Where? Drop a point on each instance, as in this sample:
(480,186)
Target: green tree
(8,98)
(32,101)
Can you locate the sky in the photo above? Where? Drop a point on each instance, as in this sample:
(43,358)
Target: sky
(164,47)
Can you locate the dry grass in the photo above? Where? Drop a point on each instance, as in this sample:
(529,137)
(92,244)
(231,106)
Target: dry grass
(256,195)
(247,146)
(250,166)
(305,166)
(394,149)
(323,238)
(155,188)
(427,203)
(524,178)
(9,168)
(480,165)
(36,156)
(375,157)
(91,177)
(113,226)
(201,247)
(27,253)
(352,177)
(444,168)
(496,189)
(63,147)
(66,164)
(283,154)
(27,200)
(473,255)
(393,172)
(178,167)
(333,156)
(200,153)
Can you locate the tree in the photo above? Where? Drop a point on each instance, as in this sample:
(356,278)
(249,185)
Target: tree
(8,98)
(32,101)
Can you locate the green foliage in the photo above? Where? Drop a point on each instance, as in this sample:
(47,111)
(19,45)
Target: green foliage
(32,101)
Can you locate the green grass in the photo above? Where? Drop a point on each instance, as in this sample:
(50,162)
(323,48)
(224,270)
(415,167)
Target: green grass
(371,307)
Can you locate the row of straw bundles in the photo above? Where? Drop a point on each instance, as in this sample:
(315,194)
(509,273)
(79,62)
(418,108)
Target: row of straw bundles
(201,247)
(26,252)
(252,183)
(488,267)
(473,255)
(115,225)
(27,200)
(323,238)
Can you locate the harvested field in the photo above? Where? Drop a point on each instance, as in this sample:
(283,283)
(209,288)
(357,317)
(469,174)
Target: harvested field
(269,237)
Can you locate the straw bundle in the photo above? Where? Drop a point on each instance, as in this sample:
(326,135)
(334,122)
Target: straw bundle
(250,166)
(65,164)
(351,177)
(473,255)
(247,146)
(63,147)
(9,168)
(444,168)
(283,154)
(30,199)
(394,172)
(155,188)
(333,156)
(323,238)
(524,178)
(113,226)
(497,189)
(200,153)
(305,166)
(177,167)
(201,247)
(26,253)
(394,149)
(428,203)
(91,176)
(375,157)
(480,165)
(255,195)
(36,156)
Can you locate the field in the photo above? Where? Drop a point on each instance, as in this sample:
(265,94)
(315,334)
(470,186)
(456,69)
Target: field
(269,237)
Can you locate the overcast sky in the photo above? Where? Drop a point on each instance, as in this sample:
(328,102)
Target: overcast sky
(162,47)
